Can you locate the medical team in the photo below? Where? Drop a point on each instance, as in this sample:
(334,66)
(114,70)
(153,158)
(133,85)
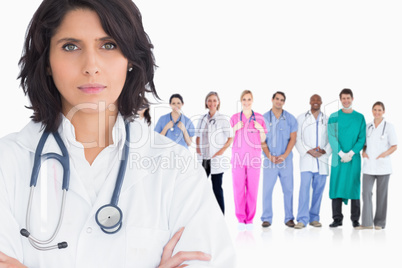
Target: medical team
(343,135)
(86,68)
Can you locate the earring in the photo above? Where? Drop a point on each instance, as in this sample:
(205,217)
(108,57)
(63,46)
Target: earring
(130,69)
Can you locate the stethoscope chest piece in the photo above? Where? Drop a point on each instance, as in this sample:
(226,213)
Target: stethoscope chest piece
(109,218)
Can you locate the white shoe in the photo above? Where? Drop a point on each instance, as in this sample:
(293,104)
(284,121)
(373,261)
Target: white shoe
(299,225)
(241,226)
(249,226)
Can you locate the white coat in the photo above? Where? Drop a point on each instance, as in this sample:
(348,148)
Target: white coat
(218,132)
(379,140)
(309,137)
(156,203)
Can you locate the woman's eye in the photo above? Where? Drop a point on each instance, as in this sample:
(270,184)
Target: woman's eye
(109,46)
(70,47)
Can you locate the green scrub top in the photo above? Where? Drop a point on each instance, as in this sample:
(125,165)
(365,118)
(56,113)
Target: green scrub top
(346,131)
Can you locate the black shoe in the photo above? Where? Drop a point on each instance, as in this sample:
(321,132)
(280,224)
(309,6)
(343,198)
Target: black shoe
(336,223)
(266,224)
(355,224)
(290,223)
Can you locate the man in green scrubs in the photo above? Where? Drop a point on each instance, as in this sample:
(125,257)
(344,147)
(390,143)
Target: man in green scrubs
(347,136)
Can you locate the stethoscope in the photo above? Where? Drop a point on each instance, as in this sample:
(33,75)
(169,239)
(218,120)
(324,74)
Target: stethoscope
(109,217)
(372,129)
(270,117)
(321,114)
(174,123)
(308,113)
(211,121)
(252,117)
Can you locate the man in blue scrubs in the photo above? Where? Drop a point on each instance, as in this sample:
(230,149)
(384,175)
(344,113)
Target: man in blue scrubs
(278,158)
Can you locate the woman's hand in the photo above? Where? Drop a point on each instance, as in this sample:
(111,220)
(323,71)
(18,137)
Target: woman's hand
(383,155)
(169,261)
(365,155)
(238,126)
(258,126)
(8,262)
(181,126)
(169,125)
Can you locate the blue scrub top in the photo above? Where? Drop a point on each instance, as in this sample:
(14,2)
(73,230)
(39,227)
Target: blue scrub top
(279,132)
(176,135)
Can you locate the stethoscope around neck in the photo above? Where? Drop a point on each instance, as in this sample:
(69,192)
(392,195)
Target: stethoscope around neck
(109,217)
(174,123)
(210,121)
(270,117)
(252,117)
(321,114)
(371,126)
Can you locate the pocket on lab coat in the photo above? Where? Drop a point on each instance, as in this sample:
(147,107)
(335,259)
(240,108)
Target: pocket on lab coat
(144,246)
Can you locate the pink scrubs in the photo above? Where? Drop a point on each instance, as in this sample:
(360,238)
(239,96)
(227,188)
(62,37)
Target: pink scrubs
(246,165)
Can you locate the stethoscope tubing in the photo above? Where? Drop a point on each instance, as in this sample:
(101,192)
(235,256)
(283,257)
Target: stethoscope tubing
(372,126)
(252,117)
(174,123)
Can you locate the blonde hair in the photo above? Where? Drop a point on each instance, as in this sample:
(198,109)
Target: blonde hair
(212,93)
(246,92)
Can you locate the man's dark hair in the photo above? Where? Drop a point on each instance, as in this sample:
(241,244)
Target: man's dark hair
(280,93)
(346,91)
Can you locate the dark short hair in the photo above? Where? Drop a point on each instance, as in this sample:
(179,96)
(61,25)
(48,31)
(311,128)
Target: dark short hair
(281,93)
(346,91)
(176,96)
(379,103)
(120,19)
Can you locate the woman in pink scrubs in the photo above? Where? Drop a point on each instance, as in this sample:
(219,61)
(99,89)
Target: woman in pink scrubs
(249,131)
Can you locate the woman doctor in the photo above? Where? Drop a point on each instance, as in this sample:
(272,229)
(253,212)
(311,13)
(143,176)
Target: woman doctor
(86,67)
(214,136)
(175,125)
(381,142)
(249,131)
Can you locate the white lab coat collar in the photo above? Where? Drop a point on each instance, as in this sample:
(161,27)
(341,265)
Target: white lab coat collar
(379,126)
(30,135)
(309,113)
(29,138)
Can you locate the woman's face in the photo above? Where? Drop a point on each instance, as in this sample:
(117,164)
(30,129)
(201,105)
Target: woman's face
(247,101)
(87,66)
(212,103)
(176,104)
(378,112)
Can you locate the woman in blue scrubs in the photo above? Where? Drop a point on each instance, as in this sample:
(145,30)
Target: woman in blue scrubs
(175,125)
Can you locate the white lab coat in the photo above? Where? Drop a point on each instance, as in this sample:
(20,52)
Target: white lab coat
(377,143)
(307,139)
(219,131)
(155,204)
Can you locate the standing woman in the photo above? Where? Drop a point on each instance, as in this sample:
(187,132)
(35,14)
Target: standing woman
(249,132)
(213,138)
(86,67)
(175,125)
(381,142)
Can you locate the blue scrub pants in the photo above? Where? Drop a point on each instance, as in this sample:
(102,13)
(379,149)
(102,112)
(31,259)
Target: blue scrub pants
(317,182)
(271,173)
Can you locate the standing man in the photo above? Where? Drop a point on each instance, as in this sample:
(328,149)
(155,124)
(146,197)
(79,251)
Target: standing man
(347,135)
(314,149)
(278,145)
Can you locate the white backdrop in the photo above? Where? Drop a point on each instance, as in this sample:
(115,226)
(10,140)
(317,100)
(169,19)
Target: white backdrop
(299,47)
